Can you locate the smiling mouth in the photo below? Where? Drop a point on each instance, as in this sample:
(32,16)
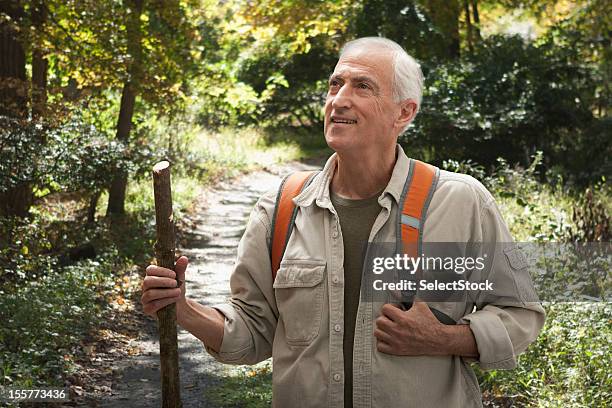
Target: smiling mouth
(345,121)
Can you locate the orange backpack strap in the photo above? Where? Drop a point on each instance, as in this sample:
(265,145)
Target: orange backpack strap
(285,212)
(418,190)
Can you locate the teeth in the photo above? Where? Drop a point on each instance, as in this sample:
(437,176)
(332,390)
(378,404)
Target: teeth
(343,121)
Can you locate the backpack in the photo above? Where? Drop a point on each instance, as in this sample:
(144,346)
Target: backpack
(418,190)
(416,195)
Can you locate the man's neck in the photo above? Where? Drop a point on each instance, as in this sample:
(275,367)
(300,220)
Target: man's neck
(360,176)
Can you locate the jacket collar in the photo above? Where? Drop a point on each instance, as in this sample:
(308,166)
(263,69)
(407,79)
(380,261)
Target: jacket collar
(318,190)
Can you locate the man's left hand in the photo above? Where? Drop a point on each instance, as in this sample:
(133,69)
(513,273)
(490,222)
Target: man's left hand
(414,332)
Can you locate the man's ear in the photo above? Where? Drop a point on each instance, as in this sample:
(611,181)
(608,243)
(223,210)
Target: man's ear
(408,110)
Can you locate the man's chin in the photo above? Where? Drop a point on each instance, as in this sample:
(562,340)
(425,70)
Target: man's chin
(338,141)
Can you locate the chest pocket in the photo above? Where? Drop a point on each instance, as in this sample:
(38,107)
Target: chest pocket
(299,291)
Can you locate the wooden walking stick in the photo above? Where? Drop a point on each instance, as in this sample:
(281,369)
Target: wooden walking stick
(166,317)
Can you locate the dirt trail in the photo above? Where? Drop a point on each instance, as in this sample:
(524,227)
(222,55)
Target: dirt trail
(216,226)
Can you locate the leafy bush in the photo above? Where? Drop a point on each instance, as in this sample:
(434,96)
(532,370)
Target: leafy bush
(44,320)
(591,216)
(534,211)
(568,365)
(71,156)
(407,23)
(292,85)
(24,254)
(224,101)
(510,99)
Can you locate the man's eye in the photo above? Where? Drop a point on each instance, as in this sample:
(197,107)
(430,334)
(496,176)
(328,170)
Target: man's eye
(333,83)
(363,86)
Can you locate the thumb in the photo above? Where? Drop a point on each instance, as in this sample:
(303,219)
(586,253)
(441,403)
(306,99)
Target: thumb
(180,267)
(420,306)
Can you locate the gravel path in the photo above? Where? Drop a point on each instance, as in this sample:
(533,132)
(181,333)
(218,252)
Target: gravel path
(210,243)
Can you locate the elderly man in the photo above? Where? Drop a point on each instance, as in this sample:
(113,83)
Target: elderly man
(333,343)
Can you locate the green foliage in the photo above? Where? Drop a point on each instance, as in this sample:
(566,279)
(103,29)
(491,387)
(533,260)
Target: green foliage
(273,65)
(510,99)
(43,321)
(541,106)
(568,365)
(246,387)
(292,89)
(49,303)
(88,46)
(406,22)
(222,100)
(25,253)
(543,212)
(68,156)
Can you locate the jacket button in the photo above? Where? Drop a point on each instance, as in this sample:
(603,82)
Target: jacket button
(335,233)
(337,328)
(337,377)
(335,279)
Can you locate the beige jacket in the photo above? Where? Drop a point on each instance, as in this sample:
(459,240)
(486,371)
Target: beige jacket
(298,318)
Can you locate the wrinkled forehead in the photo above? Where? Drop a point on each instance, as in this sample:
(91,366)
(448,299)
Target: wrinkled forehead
(372,62)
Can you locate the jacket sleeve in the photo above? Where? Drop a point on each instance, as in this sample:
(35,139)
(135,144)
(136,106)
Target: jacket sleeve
(510,317)
(251,314)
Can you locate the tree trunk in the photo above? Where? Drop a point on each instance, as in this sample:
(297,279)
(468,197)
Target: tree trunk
(13,84)
(468,25)
(116,194)
(93,205)
(445,16)
(15,201)
(39,62)
(476,20)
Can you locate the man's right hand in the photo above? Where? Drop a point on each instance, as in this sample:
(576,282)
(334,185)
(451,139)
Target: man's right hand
(159,288)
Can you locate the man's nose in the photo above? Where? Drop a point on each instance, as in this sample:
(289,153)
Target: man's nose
(343,98)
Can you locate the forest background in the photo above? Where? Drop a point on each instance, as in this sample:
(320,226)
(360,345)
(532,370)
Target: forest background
(93,93)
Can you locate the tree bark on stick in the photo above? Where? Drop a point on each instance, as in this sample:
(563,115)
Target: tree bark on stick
(166,317)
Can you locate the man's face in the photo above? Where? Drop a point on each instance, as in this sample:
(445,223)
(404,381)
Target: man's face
(360,112)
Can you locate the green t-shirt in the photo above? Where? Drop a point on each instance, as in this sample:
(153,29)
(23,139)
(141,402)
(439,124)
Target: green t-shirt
(356,220)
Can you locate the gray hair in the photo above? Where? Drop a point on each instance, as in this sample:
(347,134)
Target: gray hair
(407,74)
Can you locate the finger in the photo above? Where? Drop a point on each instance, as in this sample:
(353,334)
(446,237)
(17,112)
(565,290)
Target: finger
(152,308)
(384,324)
(153,295)
(383,336)
(151,282)
(154,270)
(180,267)
(392,312)
(384,347)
